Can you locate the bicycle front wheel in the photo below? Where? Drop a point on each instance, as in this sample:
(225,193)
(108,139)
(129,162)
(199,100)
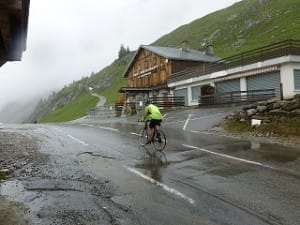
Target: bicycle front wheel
(159,140)
(143,136)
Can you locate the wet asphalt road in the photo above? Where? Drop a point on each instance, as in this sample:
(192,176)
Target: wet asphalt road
(98,174)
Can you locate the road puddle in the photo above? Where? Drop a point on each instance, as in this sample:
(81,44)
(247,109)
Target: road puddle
(13,190)
(277,153)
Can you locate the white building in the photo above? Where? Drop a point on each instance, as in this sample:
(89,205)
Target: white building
(272,69)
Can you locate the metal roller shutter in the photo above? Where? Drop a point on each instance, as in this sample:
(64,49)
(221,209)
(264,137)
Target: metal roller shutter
(182,92)
(228,86)
(264,81)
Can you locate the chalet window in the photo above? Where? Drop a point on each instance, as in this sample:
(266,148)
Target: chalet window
(297,80)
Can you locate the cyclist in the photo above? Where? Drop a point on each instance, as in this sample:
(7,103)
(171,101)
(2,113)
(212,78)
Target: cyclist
(153,114)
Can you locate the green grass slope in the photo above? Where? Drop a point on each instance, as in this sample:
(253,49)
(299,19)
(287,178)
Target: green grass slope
(74,100)
(114,77)
(244,26)
(73,110)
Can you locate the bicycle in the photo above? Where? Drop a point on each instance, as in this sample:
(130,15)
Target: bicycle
(159,140)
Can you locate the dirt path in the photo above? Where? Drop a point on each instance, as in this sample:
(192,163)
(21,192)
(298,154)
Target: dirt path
(102,100)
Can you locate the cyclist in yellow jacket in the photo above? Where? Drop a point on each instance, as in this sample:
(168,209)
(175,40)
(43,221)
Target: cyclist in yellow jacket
(153,114)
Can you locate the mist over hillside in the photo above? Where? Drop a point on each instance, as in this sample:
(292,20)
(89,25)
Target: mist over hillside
(17,112)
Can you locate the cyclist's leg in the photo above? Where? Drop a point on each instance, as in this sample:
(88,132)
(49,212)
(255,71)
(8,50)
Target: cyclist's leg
(157,127)
(151,130)
(160,142)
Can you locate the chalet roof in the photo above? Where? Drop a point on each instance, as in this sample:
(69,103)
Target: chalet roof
(180,53)
(174,54)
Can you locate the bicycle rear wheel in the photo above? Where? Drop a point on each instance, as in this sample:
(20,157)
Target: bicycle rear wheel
(159,141)
(143,136)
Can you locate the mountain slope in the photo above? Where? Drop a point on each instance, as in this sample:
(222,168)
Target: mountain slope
(241,27)
(74,100)
(244,26)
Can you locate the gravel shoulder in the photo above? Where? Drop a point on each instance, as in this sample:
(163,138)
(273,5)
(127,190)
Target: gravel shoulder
(17,151)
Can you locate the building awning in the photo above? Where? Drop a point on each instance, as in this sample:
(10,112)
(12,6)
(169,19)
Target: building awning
(134,90)
(248,73)
(143,89)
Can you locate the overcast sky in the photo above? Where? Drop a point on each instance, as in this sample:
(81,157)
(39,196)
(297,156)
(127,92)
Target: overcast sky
(70,39)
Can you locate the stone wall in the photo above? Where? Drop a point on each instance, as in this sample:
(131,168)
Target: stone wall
(266,111)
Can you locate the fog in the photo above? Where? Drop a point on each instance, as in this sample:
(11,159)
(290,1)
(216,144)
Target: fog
(70,39)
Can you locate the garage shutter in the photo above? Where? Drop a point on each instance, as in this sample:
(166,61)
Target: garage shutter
(264,81)
(297,79)
(182,92)
(228,86)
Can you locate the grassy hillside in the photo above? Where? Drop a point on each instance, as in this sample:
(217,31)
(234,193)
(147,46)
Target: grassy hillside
(73,110)
(115,80)
(244,26)
(74,100)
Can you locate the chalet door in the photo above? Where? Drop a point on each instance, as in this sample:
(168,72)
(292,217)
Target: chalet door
(264,81)
(196,93)
(228,86)
(182,92)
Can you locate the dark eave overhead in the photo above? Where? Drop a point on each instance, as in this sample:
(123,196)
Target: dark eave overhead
(174,54)
(13,27)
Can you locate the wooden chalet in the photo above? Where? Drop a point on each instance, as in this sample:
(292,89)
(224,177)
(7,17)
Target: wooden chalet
(151,66)
(13,25)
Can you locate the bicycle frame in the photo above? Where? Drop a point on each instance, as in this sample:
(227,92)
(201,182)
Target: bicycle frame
(158,137)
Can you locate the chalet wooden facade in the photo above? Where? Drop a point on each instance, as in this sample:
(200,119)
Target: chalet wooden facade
(148,72)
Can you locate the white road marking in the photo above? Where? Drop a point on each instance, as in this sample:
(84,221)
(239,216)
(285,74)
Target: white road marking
(135,134)
(208,133)
(108,128)
(165,187)
(187,121)
(85,124)
(228,156)
(101,127)
(77,140)
(195,118)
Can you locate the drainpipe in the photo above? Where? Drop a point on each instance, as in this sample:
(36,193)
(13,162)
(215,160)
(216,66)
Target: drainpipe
(281,91)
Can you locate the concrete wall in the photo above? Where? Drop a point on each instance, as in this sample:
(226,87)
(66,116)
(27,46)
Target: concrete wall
(287,79)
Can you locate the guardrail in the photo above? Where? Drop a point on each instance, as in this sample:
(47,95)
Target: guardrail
(161,102)
(102,112)
(168,102)
(237,96)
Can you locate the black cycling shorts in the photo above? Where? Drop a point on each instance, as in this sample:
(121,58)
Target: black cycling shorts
(154,122)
